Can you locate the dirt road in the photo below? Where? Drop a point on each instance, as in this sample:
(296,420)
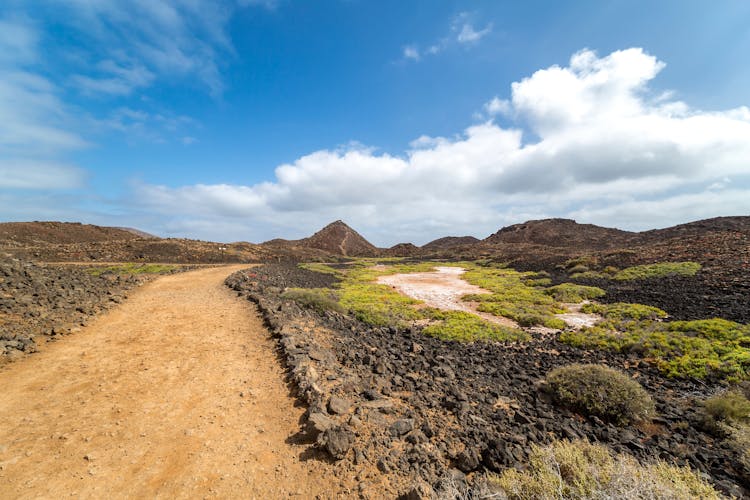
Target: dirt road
(175,393)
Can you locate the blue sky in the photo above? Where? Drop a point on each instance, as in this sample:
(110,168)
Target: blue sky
(248,119)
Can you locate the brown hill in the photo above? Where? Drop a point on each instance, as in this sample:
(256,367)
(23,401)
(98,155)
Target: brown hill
(401,250)
(697,228)
(565,233)
(449,242)
(36,233)
(338,238)
(138,232)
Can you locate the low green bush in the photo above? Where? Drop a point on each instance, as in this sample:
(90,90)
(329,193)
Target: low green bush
(319,299)
(570,292)
(599,390)
(515,295)
(727,415)
(589,275)
(623,311)
(730,406)
(658,270)
(320,267)
(133,268)
(459,325)
(585,471)
(378,305)
(579,268)
(700,349)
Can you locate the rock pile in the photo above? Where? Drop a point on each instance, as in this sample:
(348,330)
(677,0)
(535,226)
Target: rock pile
(417,410)
(45,301)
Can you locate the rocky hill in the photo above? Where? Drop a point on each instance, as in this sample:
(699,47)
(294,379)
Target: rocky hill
(35,233)
(339,239)
(698,228)
(401,250)
(561,233)
(449,242)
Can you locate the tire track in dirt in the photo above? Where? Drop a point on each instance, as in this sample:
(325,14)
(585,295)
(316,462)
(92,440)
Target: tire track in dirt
(175,393)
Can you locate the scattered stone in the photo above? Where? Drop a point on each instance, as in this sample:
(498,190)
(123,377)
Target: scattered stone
(338,441)
(318,422)
(339,406)
(401,427)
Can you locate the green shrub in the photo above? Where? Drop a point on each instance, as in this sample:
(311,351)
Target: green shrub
(623,311)
(378,305)
(515,295)
(589,275)
(692,349)
(587,261)
(580,268)
(320,267)
(133,268)
(731,407)
(570,292)
(601,391)
(537,282)
(658,270)
(610,270)
(319,299)
(582,470)
(459,325)
(728,415)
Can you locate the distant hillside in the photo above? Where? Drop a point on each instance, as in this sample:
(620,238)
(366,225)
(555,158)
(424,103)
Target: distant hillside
(697,228)
(401,250)
(562,233)
(449,242)
(36,233)
(138,232)
(338,238)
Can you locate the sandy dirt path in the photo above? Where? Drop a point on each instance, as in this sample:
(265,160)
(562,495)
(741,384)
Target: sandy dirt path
(175,393)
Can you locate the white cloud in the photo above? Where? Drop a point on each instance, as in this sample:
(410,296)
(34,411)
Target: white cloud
(35,124)
(145,40)
(118,80)
(497,106)
(18,41)
(469,35)
(461,32)
(411,52)
(37,175)
(601,149)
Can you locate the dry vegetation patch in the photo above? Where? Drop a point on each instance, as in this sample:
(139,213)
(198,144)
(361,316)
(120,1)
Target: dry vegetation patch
(582,470)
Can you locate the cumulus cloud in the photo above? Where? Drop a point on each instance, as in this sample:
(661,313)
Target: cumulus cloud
(497,106)
(588,140)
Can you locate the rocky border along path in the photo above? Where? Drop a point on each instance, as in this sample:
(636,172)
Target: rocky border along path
(421,410)
(176,393)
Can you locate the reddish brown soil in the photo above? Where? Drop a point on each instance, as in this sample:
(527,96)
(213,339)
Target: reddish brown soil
(176,393)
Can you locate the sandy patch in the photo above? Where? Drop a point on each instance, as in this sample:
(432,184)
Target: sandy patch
(443,289)
(577,319)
